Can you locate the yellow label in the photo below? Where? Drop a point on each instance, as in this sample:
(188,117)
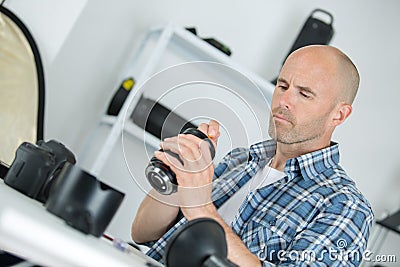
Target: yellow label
(128,84)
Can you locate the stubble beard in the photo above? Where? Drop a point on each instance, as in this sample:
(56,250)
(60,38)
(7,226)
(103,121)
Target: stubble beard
(288,133)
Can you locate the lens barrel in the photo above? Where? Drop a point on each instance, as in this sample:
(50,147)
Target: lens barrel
(161,177)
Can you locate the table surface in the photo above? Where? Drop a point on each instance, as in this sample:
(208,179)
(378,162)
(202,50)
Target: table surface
(31,232)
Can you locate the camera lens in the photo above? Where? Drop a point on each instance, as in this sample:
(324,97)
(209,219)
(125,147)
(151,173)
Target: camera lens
(161,177)
(157,181)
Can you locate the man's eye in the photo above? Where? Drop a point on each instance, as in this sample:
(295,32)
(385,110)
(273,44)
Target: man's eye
(305,95)
(282,87)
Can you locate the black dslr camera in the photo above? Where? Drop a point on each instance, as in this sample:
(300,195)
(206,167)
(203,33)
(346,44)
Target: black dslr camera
(161,177)
(35,168)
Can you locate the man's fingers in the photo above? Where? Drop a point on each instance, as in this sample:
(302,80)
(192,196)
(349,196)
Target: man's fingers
(168,160)
(202,145)
(204,128)
(192,153)
(213,129)
(184,146)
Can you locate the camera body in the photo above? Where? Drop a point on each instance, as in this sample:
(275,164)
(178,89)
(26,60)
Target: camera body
(35,167)
(161,177)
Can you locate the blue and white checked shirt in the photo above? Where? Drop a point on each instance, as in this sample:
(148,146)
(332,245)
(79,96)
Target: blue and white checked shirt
(313,216)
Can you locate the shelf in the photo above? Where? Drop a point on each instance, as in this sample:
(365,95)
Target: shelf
(195,49)
(134,131)
(237,89)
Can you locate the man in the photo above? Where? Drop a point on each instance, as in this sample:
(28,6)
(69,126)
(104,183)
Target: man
(285,201)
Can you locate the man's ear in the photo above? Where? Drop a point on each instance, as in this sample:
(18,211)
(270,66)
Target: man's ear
(341,113)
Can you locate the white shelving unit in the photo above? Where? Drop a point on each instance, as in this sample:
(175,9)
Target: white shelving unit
(153,56)
(206,83)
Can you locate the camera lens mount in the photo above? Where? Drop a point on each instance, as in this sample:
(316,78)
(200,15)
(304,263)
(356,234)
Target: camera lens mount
(161,178)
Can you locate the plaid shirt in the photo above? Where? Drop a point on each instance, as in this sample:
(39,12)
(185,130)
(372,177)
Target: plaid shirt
(313,216)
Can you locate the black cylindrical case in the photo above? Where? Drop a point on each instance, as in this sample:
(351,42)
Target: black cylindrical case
(82,201)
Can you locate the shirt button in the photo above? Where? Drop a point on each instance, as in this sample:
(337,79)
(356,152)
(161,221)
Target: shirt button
(272,222)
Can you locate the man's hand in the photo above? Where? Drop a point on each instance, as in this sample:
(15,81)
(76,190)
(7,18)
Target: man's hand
(195,175)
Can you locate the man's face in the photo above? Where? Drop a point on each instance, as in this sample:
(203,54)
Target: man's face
(303,99)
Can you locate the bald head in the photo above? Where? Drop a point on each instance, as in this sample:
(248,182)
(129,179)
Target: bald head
(338,65)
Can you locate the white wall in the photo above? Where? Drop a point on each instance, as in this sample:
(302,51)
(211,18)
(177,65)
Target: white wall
(88,44)
(49,22)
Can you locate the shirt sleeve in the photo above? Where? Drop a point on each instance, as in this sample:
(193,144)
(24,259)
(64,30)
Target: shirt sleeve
(336,237)
(232,159)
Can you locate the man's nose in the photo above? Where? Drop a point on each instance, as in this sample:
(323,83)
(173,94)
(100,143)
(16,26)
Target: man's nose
(286,99)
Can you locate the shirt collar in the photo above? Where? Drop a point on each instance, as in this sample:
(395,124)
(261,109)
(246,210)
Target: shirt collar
(262,151)
(310,165)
